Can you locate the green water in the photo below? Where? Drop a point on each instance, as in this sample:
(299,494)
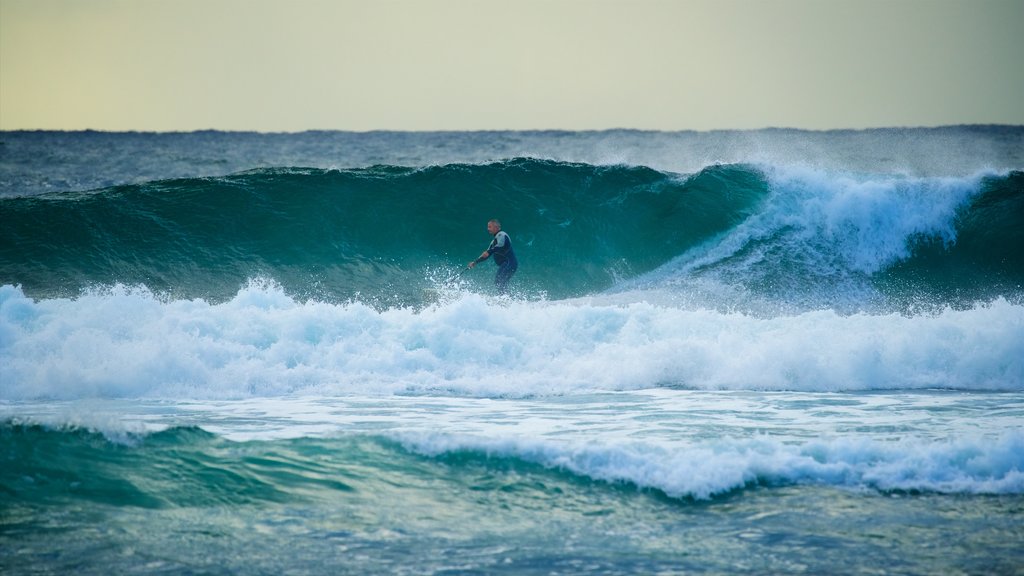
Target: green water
(186,501)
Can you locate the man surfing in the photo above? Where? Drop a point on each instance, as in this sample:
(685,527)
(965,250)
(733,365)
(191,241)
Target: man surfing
(504,257)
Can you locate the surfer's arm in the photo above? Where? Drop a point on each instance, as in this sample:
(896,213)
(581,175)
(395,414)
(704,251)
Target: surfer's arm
(497,243)
(484,256)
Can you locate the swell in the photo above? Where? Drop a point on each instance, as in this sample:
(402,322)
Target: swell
(177,467)
(391,236)
(188,467)
(373,233)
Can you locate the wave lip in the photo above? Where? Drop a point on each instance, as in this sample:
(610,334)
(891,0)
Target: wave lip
(43,161)
(864,242)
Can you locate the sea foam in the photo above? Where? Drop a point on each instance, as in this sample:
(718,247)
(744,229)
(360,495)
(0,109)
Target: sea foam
(128,342)
(703,470)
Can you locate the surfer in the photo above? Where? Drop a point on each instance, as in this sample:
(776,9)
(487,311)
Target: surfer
(504,257)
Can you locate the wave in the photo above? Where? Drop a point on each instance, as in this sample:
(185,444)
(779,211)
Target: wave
(374,233)
(389,236)
(862,243)
(189,467)
(706,470)
(130,343)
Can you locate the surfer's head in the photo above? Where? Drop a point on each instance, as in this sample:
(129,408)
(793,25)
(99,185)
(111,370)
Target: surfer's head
(493,227)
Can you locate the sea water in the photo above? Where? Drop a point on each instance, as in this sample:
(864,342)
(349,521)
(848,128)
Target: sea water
(725,352)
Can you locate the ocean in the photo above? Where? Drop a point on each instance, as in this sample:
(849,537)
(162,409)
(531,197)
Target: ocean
(729,352)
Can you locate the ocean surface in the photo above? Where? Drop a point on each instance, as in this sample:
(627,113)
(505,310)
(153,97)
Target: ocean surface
(736,352)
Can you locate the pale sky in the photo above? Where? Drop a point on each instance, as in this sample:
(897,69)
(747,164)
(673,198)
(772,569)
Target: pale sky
(276,65)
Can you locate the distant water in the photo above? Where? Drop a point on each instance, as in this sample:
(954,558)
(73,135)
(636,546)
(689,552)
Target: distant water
(741,352)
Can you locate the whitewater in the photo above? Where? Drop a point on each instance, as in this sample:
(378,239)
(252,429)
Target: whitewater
(747,352)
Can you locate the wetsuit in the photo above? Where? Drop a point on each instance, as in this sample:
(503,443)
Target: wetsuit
(504,257)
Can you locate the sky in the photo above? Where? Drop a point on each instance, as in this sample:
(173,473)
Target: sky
(288,66)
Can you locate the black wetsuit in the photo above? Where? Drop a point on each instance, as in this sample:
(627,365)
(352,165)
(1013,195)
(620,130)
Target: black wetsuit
(501,250)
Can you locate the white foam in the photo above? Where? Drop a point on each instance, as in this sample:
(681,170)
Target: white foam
(685,443)
(702,470)
(826,223)
(869,221)
(130,343)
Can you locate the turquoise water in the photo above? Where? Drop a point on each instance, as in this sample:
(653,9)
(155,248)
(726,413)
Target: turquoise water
(376,232)
(728,352)
(384,235)
(643,482)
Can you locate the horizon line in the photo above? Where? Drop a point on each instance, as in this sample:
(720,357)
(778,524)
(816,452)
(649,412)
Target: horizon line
(988,125)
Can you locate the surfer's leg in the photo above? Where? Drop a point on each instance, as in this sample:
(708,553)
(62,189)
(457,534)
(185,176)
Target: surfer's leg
(504,274)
